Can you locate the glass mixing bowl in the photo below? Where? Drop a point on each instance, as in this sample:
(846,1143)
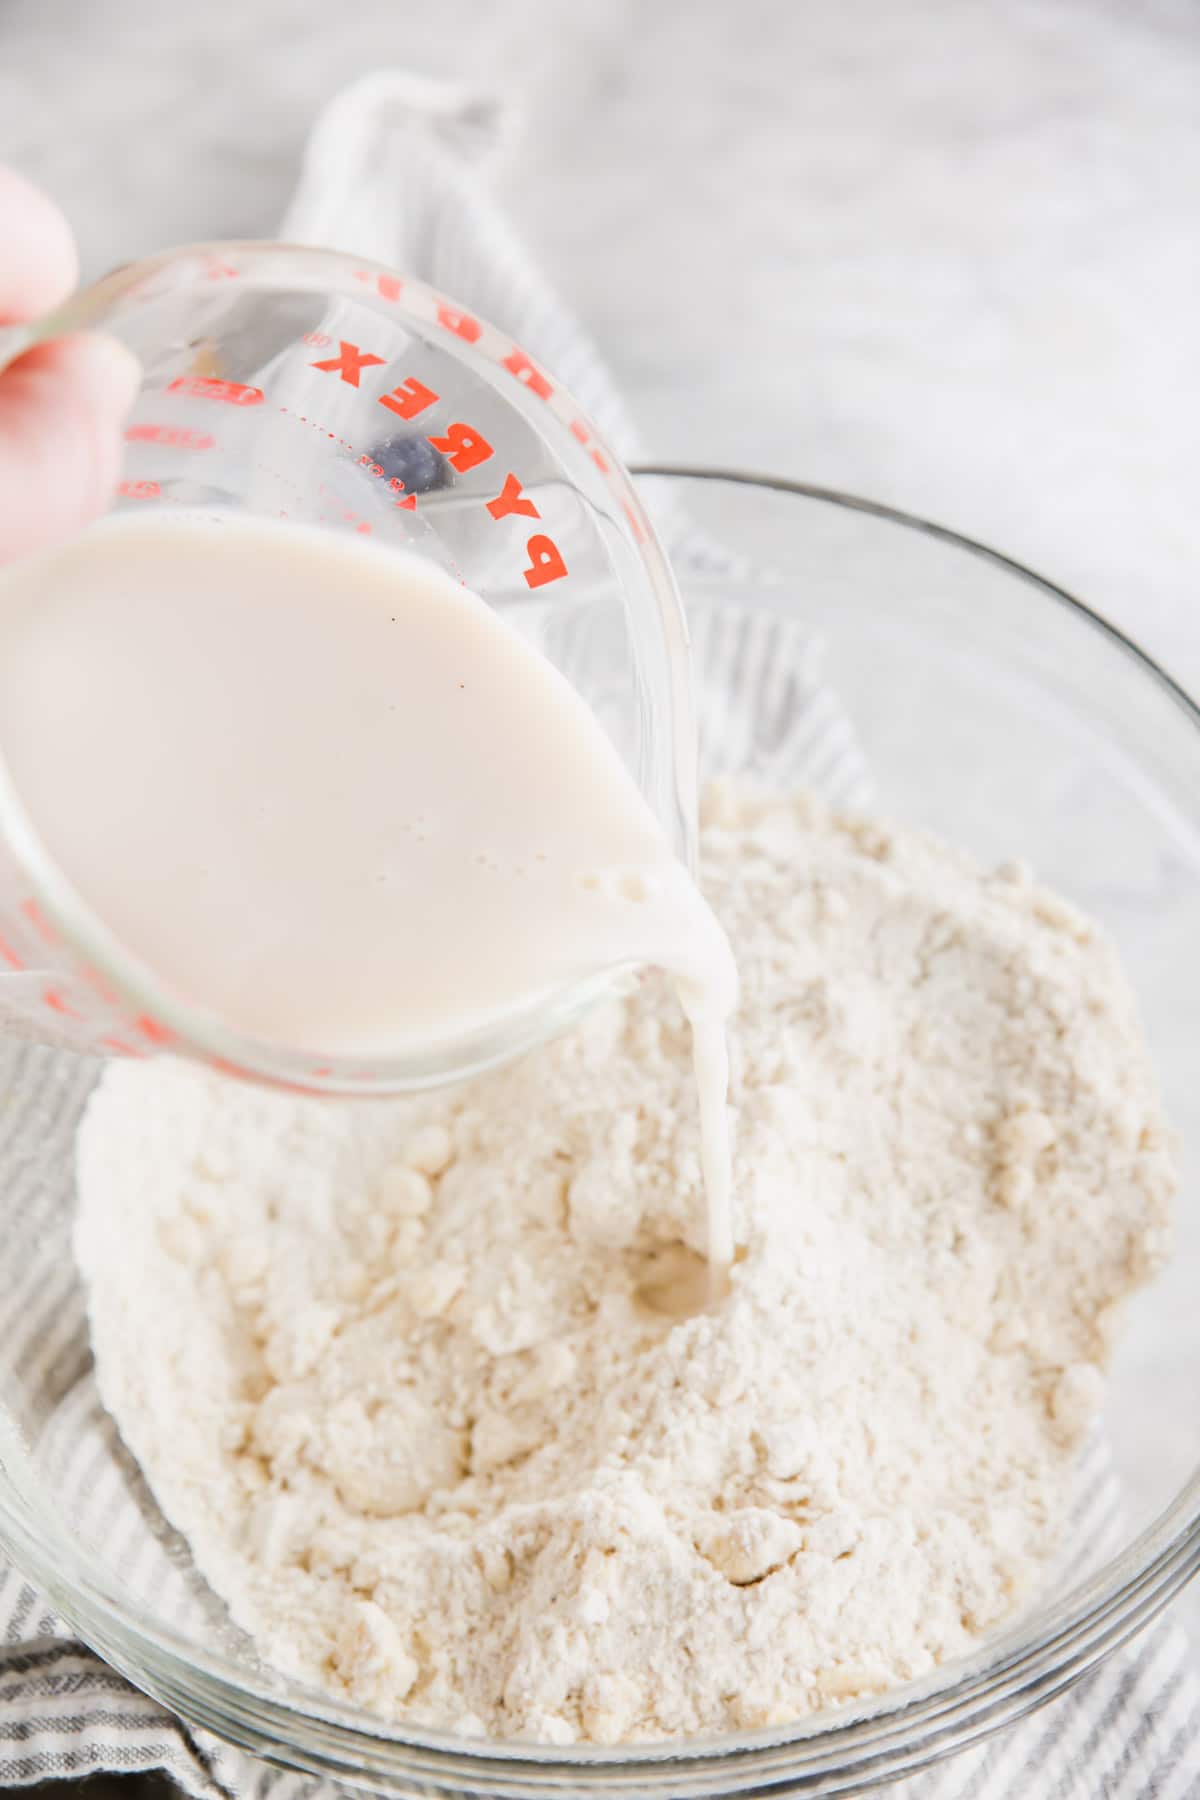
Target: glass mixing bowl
(974,699)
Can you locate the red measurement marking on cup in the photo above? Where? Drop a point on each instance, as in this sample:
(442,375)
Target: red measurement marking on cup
(152,1030)
(528,374)
(9,954)
(317,340)
(54,1000)
(120,1047)
(40,922)
(172,437)
(386,286)
(139,490)
(221,272)
(460,323)
(208,387)
(637,523)
(581,434)
(394,483)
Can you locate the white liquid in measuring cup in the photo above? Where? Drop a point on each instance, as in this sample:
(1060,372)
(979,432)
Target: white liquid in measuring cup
(327,794)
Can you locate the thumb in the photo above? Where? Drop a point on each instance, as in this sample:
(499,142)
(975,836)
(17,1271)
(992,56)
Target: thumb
(62,406)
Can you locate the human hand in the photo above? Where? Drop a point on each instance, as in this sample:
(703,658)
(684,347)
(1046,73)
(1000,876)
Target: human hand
(63,403)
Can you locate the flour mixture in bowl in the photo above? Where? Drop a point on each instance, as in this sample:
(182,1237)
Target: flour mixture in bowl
(435,1393)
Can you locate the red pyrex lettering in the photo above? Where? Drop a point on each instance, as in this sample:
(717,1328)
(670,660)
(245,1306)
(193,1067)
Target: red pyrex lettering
(409,399)
(349,362)
(463,445)
(545,562)
(512,498)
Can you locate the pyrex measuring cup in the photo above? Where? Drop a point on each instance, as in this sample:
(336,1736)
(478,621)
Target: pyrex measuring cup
(304,385)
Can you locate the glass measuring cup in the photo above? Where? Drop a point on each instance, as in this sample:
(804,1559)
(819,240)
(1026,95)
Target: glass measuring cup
(304,385)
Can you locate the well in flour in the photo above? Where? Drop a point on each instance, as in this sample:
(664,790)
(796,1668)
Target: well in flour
(447,1448)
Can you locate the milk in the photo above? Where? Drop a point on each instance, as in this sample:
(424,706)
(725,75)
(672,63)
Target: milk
(324,792)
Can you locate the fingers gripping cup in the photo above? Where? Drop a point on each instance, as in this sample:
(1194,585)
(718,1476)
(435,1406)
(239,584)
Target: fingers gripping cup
(317,393)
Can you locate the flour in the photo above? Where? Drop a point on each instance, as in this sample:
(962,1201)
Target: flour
(425,1388)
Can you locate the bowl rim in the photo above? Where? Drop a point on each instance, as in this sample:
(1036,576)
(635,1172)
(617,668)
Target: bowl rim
(901,1732)
(895,515)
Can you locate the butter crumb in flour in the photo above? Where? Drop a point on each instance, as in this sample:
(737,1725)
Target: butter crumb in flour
(468,1448)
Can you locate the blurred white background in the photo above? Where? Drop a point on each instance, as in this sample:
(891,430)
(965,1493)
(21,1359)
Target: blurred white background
(943,253)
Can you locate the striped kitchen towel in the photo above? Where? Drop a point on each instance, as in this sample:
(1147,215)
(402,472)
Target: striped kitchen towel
(396,169)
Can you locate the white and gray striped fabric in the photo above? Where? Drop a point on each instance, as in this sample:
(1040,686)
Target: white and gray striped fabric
(393,170)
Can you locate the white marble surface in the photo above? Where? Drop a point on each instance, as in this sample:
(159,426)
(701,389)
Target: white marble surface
(941,252)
